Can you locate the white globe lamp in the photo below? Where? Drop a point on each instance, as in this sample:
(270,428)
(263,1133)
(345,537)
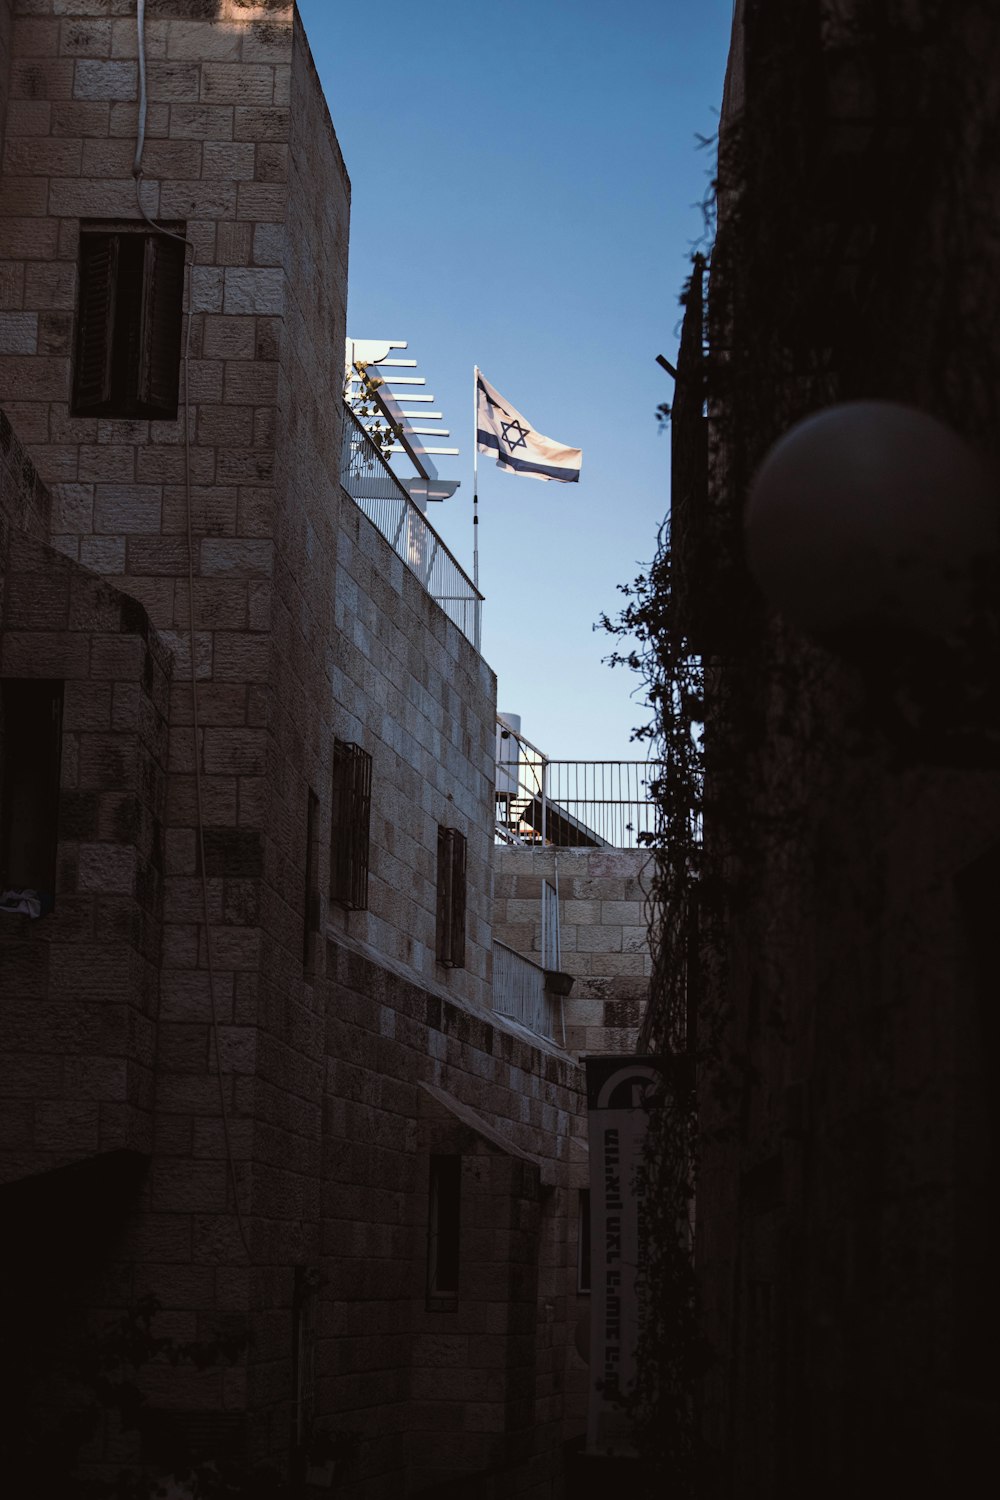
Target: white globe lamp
(871,514)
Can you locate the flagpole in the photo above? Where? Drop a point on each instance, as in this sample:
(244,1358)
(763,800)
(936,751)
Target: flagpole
(475,477)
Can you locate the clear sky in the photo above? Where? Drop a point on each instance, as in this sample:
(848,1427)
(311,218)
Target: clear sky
(526,182)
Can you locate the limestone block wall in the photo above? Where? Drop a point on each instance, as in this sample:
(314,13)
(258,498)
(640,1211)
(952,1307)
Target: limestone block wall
(492,1386)
(306,627)
(603,920)
(79,986)
(411,689)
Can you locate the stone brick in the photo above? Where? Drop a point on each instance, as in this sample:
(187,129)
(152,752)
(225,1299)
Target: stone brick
(267,42)
(260,124)
(109,462)
(27,239)
(85,38)
(256,512)
(38,78)
(262,201)
(50,286)
(235,751)
(271,163)
(125,39)
(127,508)
(202,122)
(250,382)
(253,290)
(23,195)
(38,653)
(241,84)
(282,84)
(201,40)
(245,559)
(204,380)
(103,554)
(55,334)
(70,1129)
(11,285)
(245,466)
(229,338)
(234,244)
(163,465)
(28,117)
(74,118)
(198,200)
(106,80)
(179,644)
(18,332)
(96,198)
(43,156)
(173,82)
(230,161)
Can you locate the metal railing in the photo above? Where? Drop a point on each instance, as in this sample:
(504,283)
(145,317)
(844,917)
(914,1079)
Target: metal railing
(581,804)
(519,991)
(377,492)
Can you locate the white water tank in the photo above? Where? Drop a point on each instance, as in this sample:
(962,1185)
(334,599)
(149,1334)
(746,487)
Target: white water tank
(508,754)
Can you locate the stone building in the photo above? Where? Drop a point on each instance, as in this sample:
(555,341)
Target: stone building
(250,1064)
(846,973)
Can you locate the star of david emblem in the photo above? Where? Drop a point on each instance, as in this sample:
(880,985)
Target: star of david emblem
(520,433)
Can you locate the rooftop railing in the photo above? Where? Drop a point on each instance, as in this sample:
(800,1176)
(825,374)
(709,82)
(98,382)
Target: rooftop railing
(377,492)
(579,804)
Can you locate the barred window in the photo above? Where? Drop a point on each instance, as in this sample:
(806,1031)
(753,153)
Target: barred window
(451,898)
(443,1230)
(351,817)
(30,747)
(128,327)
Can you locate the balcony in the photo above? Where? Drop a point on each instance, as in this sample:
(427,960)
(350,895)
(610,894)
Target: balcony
(571,804)
(377,492)
(520,992)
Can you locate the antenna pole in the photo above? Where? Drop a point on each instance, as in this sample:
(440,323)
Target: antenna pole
(475,477)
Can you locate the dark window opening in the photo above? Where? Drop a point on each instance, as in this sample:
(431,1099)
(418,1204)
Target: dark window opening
(305,1295)
(444,1230)
(30,745)
(451,898)
(128,330)
(583,1244)
(310,903)
(350,822)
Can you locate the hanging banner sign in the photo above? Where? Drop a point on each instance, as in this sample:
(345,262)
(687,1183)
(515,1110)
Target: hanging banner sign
(620,1091)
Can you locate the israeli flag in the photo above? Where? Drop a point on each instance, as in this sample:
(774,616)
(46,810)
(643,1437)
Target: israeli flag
(519,449)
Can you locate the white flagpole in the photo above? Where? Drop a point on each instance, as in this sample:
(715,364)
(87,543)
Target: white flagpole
(475,477)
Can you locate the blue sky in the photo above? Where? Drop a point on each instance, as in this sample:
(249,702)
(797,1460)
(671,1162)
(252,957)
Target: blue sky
(525,188)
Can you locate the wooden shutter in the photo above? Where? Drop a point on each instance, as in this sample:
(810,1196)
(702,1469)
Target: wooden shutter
(95,329)
(457,935)
(451,898)
(350,822)
(441,943)
(160,325)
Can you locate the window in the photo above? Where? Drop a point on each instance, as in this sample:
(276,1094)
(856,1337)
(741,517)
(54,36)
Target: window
(351,816)
(451,898)
(30,744)
(128,329)
(443,1230)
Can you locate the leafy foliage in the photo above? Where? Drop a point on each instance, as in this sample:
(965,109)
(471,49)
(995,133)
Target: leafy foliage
(366,408)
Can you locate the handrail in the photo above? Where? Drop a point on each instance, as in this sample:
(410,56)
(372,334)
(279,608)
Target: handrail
(379,495)
(597,804)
